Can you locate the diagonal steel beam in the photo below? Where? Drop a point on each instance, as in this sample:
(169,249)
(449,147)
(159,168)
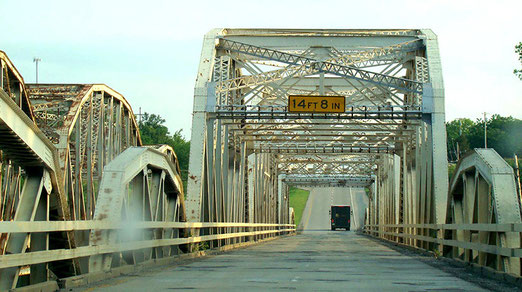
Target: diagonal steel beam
(366,57)
(317,66)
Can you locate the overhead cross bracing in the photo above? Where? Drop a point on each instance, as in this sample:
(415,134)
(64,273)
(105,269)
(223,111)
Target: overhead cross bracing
(328,180)
(392,85)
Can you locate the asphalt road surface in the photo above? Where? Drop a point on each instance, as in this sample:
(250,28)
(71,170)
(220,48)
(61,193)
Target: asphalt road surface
(316,215)
(312,261)
(316,260)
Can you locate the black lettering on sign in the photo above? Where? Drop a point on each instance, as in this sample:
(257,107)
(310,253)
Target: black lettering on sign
(316,104)
(324,104)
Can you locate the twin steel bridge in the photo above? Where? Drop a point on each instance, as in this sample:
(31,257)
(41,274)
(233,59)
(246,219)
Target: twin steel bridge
(81,197)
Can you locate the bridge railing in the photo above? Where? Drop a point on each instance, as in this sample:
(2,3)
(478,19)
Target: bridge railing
(435,237)
(39,257)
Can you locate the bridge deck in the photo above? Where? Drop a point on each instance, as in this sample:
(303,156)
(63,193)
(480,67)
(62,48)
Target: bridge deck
(320,260)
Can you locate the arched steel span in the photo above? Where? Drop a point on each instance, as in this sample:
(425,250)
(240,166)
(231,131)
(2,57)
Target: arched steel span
(483,191)
(53,224)
(155,170)
(23,147)
(13,155)
(31,179)
(392,83)
(89,124)
(12,82)
(54,147)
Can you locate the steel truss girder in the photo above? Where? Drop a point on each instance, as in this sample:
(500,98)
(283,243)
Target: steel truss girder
(328,180)
(319,143)
(327,168)
(327,158)
(247,112)
(318,32)
(321,150)
(321,67)
(360,59)
(339,124)
(312,135)
(295,130)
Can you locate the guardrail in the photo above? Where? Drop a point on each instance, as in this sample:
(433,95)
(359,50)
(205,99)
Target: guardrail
(38,257)
(437,238)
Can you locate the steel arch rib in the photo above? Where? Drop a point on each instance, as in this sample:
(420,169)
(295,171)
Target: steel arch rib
(113,188)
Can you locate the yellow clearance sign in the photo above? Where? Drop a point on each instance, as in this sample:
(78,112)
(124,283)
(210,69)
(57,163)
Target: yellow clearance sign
(315,104)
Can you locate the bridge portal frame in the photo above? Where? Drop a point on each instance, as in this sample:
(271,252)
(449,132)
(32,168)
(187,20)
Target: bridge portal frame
(393,81)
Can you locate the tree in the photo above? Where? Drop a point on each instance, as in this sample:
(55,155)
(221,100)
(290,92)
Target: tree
(182,149)
(518,50)
(458,132)
(153,132)
(503,134)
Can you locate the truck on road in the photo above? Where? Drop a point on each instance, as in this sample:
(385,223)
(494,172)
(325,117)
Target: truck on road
(340,217)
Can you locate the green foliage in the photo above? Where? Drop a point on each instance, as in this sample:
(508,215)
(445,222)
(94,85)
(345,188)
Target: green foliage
(451,169)
(298,199)
(518,50)
(504,134)
(154,132)
(458,132)
(201,246)
(182,149)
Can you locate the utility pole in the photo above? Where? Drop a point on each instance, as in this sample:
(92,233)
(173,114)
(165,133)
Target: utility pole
(36,60)
(517,178)
(485,132)
(460,135)
(139,114)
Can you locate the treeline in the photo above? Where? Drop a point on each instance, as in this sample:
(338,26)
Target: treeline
(154,132)
(504,134)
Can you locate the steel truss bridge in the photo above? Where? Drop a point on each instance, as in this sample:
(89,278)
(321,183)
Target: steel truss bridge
(82,198)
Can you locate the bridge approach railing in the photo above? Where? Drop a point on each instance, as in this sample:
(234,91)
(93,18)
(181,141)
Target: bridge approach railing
(139,251)
(483,220)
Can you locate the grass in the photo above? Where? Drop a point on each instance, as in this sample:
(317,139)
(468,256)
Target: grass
(298,198)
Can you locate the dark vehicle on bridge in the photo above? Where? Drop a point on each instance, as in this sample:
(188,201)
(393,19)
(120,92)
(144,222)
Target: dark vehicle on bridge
(340,217)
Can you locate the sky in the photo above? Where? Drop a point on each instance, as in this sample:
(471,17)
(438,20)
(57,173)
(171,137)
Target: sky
(149,50)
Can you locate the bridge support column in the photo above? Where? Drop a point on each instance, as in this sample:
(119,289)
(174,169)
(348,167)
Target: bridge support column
(197,166)
(434,96)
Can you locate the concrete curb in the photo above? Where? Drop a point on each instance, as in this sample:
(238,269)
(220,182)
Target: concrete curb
(48,286)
